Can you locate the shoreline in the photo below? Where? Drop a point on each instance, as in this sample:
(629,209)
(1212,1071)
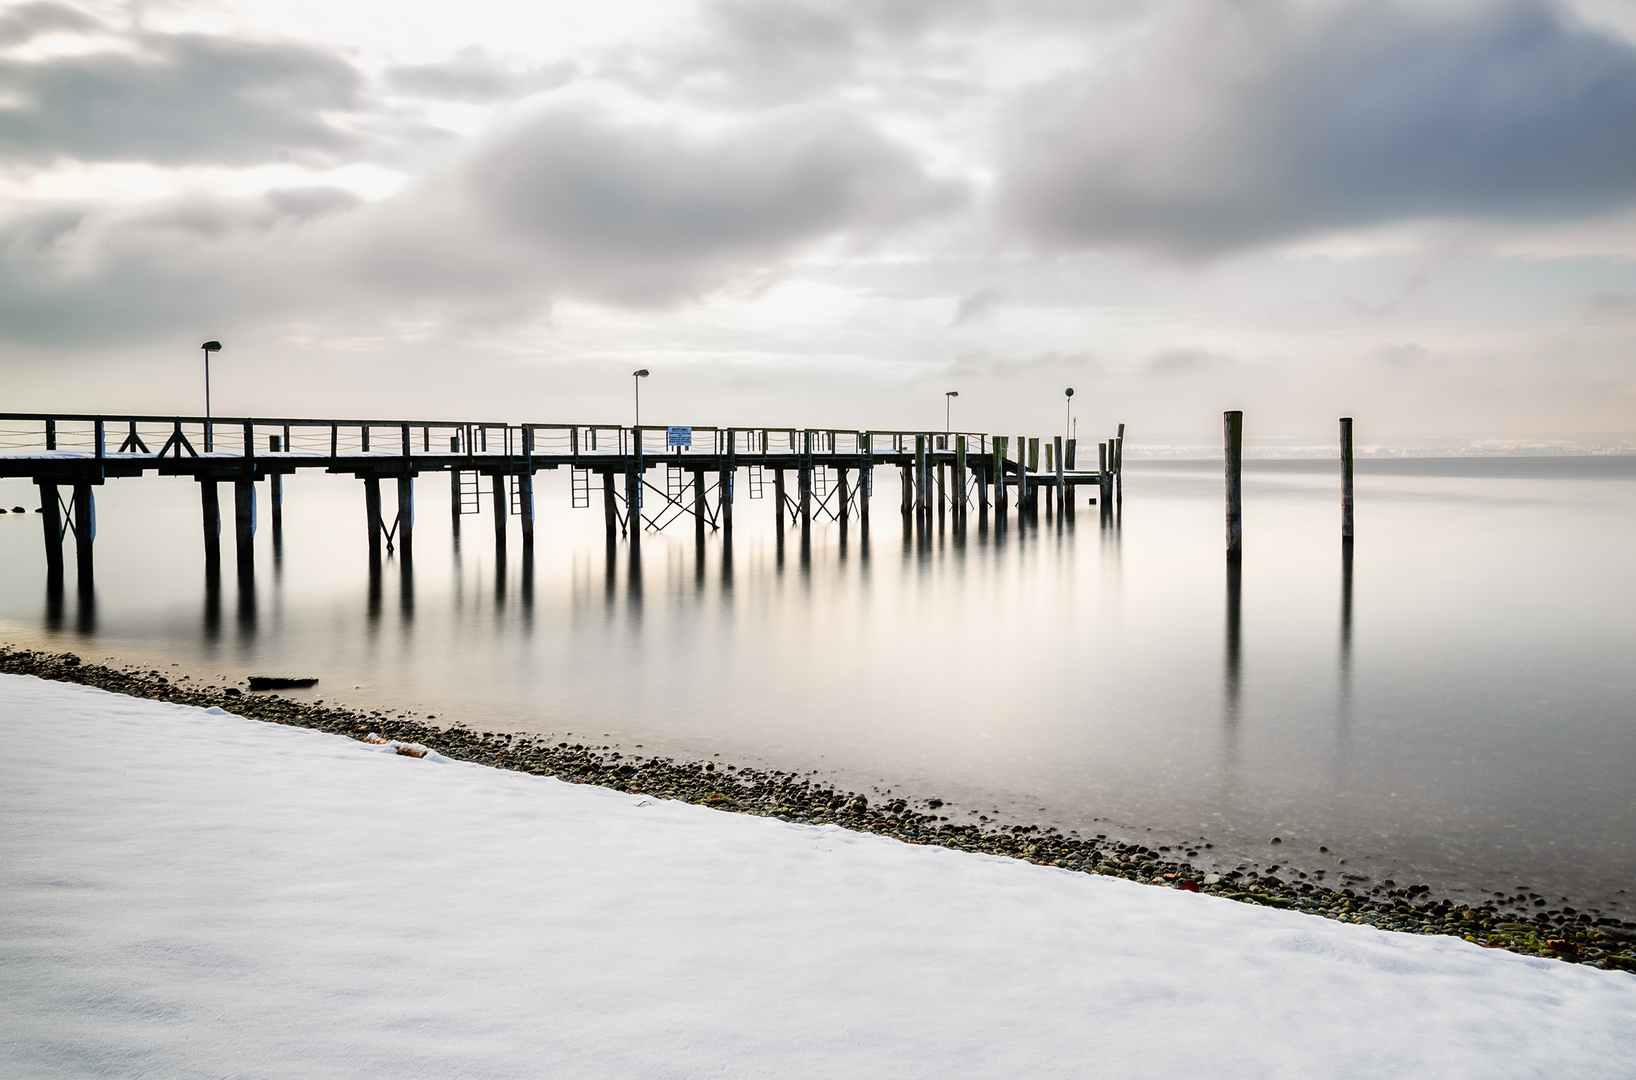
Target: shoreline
(1604,943)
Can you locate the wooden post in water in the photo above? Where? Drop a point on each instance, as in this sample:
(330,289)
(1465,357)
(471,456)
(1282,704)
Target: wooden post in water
(372,510)
(1346,479)
(1119,465)
(85,528)
(724,485)
(866,480)
(51,521)
(908,474)
(698,506)
(499,495)
(525,504)
(1001,500)
(960,480)
(406,517)
(1102,476)
(842,496)
(921,469)
(244,524)
(211,508)
(1233,439)
(1062,492)
(803,482)
(610,512)
(778,499)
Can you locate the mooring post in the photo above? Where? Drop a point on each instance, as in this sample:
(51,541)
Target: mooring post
(51,522)
(1346,479)
(1119,465)
(244,523)
(1062,492)
(998,475)
(211,507)
(85,528)
(406,517)
(372,509)
(922,468)
(1233,438)
(1102,483)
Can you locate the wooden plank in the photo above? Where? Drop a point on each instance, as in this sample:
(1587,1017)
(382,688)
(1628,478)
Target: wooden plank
(1346,479)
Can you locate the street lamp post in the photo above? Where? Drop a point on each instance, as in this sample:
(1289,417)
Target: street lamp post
(208,347)
(1068,424)
(636,380)
(948,409)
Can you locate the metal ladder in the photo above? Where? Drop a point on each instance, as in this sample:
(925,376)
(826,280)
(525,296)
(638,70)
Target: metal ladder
(471,500)
(820,481)
(755,481)
(579,494)
(675,482)
(516,495)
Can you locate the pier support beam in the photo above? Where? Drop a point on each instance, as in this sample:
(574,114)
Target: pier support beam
(610,512)
(372,510)
(244,524)
(633,505)
(844,497)
(454,500)
(698,506)
(51,525)
(525,506)
(724,496)
(866,480)
(85,529)
(211,509)
(406,518)
(803,481)
(778,498)
(498,491)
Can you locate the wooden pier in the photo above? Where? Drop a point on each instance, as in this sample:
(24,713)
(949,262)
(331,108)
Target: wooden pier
(650,477)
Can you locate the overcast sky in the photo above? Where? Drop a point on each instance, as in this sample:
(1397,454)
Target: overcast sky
(828,212)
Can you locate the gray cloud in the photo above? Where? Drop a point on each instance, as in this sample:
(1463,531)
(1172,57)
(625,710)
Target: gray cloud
(178,99)
(560,199)
(1233,125)
(28,21)
(974,306)
(472,75)
(1186,362)
(647,211)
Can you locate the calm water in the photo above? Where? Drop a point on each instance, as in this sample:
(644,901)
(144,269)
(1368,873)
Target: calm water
(1464,719)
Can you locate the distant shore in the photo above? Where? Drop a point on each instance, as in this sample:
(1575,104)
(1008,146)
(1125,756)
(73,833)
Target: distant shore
(1608,943)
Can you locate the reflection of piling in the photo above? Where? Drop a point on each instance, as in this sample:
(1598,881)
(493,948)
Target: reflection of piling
(1233,438)
(1235,586)
(1346,479)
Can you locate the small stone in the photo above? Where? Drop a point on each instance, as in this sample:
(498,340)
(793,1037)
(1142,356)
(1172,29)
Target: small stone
(1276,840)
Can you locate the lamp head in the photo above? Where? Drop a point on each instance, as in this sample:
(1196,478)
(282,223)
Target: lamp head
(951,393)
(211,346)
(640,373)
(1069,392)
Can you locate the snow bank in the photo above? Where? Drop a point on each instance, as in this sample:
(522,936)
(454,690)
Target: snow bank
(189,895)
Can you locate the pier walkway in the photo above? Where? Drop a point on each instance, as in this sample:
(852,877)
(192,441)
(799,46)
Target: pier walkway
(649,476)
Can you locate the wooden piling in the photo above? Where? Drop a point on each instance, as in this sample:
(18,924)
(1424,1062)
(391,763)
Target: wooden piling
(454,500)
(1233,439)
(51,522)
(1346,479)
(244,523)
(908,476)
(960,479)
(499,495)
(842,496)
(406,517)
(211,509)
(275,500)
(778,498)
(85,529)
(372,510)
(698,505)
(525,504)
(1061,492)
(921,469)
(866,481)
(803,490)
(610,512)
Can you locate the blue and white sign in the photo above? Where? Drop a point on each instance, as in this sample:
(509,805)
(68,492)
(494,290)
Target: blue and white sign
(680,436)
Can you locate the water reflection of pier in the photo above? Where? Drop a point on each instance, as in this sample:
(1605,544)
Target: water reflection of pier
(650,479)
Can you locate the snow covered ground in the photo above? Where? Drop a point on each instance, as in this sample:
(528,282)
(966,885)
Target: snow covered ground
(191,895)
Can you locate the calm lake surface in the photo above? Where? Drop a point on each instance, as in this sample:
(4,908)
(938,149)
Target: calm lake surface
(1456,708)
